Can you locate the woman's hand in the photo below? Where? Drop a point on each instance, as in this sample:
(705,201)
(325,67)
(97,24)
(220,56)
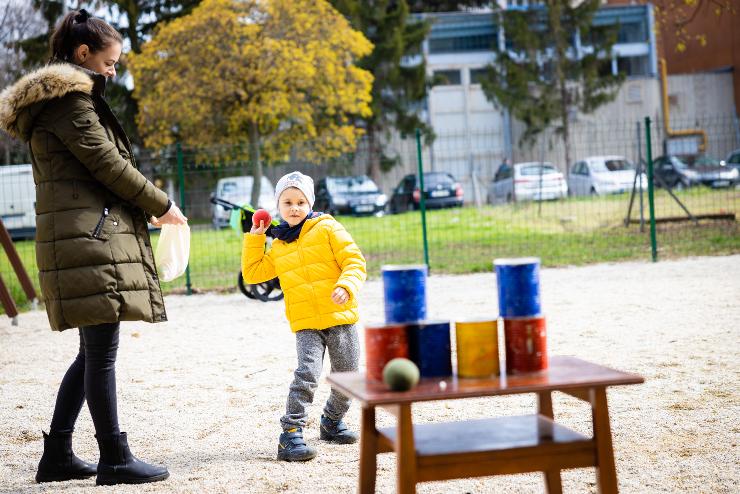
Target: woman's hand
(259,230)
(173,216)
(340,295)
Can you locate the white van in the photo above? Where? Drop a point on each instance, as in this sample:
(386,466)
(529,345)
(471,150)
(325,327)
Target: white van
(18,200)
(238,190)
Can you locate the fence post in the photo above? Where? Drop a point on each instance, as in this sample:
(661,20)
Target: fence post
(181,178)
(651,197)
(422,202)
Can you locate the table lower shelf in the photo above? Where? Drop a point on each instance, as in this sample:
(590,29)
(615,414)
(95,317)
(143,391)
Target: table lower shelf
(504,445)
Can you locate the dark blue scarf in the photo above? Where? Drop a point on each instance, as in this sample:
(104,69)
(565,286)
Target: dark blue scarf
(288,233)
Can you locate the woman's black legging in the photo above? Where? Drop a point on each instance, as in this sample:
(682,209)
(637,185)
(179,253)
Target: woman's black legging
(93,376)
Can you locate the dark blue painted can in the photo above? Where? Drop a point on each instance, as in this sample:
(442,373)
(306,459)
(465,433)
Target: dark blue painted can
(405,290)
(518,283)
(429,347)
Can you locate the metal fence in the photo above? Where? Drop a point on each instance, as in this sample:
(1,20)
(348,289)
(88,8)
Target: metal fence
(582,227)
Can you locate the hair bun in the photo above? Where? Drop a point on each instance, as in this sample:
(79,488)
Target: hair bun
(82,16)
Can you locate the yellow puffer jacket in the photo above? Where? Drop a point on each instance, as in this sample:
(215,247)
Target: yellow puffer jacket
(322,258)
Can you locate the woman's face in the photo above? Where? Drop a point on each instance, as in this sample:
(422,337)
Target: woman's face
(103,62)
(293,206)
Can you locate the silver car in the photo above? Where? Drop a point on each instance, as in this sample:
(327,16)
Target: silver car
(531,181)
(600,175)
(238,190)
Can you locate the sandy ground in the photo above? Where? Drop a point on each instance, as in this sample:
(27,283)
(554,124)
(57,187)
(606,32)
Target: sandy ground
(203,393)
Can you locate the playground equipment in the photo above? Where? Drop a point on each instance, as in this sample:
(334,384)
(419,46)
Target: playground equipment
(7,300)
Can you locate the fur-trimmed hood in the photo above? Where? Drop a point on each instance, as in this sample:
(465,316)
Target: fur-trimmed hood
(21,102)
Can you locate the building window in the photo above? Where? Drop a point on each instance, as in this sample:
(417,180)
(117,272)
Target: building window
(632,32)
(480,42)
(477,76)
(634,66)
(447,78)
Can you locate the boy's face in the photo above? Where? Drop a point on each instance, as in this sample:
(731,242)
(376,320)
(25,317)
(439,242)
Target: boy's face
(293,206)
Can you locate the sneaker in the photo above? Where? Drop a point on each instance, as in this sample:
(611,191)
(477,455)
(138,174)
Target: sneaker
(336,431)
(292,447)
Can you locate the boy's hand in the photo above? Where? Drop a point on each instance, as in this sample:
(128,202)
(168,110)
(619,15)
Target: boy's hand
(259,230)
(340,295)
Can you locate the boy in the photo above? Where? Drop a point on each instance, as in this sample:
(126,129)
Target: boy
(321,270)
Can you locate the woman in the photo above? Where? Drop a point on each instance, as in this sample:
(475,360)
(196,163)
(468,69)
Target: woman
(96,266)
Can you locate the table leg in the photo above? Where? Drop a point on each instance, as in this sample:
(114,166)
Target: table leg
(553,483)
(368,451)
(405,451)
(606,473)
(544,404)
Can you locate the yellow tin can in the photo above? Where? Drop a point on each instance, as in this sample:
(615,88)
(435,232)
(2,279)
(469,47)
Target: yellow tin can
(477,348)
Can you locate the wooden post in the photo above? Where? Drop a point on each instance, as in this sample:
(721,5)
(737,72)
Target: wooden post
(15,261)
(8,304)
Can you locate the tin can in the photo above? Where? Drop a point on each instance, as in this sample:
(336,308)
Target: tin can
(429,347)
(526,344)
(383,343)
(404,289)
(477,348)
(518,282)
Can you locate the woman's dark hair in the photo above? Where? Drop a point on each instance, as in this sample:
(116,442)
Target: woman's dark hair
(80,28)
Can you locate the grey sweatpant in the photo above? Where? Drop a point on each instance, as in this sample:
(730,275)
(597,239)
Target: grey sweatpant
(344,354)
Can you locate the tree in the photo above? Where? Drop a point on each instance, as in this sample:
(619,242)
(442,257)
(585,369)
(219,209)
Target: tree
(676,17)
(17,19)
(134,19)
(399,70)
(541,77)
(275,75)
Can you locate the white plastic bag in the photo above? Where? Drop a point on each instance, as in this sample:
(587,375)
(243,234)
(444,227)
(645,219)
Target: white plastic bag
(173,251)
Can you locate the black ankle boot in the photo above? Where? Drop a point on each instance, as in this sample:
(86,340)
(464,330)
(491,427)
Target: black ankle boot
(59,461)
(118,466)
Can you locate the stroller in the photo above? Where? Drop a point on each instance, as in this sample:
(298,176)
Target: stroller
(269,291)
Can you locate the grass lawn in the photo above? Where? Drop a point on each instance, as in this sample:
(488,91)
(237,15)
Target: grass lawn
(463,240)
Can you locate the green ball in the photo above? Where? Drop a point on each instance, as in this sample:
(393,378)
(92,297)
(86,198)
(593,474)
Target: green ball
(400,374)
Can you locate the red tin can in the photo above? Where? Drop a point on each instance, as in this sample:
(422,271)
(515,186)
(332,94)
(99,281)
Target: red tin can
(383,343)
(526,344)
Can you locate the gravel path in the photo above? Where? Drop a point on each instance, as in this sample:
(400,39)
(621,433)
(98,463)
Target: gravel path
(203,392)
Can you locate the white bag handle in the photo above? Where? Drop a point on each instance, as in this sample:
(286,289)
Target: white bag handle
(173,251)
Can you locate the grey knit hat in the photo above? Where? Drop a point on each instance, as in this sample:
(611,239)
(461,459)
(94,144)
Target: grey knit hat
(296,179)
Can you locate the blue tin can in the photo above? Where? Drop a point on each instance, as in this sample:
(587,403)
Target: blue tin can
(518,283)
(429,347)
(405,292)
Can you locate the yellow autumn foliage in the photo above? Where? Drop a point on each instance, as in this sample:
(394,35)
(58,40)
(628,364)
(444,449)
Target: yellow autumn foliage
(279,71)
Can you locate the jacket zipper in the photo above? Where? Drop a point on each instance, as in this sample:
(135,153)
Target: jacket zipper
(99,227)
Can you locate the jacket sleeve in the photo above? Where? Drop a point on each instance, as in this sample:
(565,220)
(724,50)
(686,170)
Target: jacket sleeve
(350,259)
(257,266)
(74,120)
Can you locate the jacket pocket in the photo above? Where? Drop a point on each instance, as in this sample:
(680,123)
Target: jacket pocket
(100,231)
(84,122)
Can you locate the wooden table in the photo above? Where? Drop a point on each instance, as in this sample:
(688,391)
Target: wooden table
(491,446)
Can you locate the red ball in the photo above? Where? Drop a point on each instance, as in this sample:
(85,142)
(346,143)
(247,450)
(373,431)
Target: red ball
(261,215)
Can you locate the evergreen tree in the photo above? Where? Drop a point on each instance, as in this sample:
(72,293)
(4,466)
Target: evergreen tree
(399,69)
(542,75)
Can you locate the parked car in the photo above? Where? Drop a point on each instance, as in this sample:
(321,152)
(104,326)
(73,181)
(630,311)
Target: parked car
(599,175)
(441,190)
(686,171)
(238,190)
(349,195)
(18,200)
(733,159)
(531,181)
